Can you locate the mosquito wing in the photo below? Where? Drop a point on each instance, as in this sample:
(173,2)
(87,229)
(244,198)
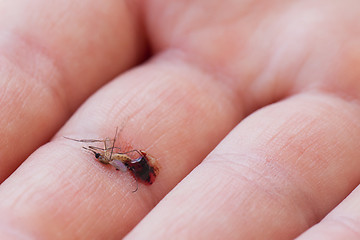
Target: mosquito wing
(88,140)
(108,143)
(119,165)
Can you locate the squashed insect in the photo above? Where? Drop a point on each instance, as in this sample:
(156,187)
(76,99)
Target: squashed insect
(143,168)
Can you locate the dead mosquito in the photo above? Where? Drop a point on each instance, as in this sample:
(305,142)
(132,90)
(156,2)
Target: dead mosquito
(143,168)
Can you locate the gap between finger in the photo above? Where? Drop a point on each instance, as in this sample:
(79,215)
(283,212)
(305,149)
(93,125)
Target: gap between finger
(341,223)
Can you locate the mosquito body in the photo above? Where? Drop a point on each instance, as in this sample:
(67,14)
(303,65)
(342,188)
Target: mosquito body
(144,168)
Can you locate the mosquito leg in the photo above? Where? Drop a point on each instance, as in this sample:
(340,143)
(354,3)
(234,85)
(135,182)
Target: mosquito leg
(113,145)
(104,149)
(97,148)
(135,150)
(89,140)
(137,185)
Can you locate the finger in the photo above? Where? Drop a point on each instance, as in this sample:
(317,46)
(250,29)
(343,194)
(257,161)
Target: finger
(53,55)
(168,109)
(340,223)
(277,173)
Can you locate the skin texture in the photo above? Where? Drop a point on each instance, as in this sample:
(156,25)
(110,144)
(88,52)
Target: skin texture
(251,109)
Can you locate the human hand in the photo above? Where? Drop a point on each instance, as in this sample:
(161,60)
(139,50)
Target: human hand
(278,172)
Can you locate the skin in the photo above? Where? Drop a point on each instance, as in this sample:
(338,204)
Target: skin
(251,109)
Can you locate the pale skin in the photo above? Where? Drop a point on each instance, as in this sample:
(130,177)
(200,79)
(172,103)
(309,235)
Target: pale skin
(251,109)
